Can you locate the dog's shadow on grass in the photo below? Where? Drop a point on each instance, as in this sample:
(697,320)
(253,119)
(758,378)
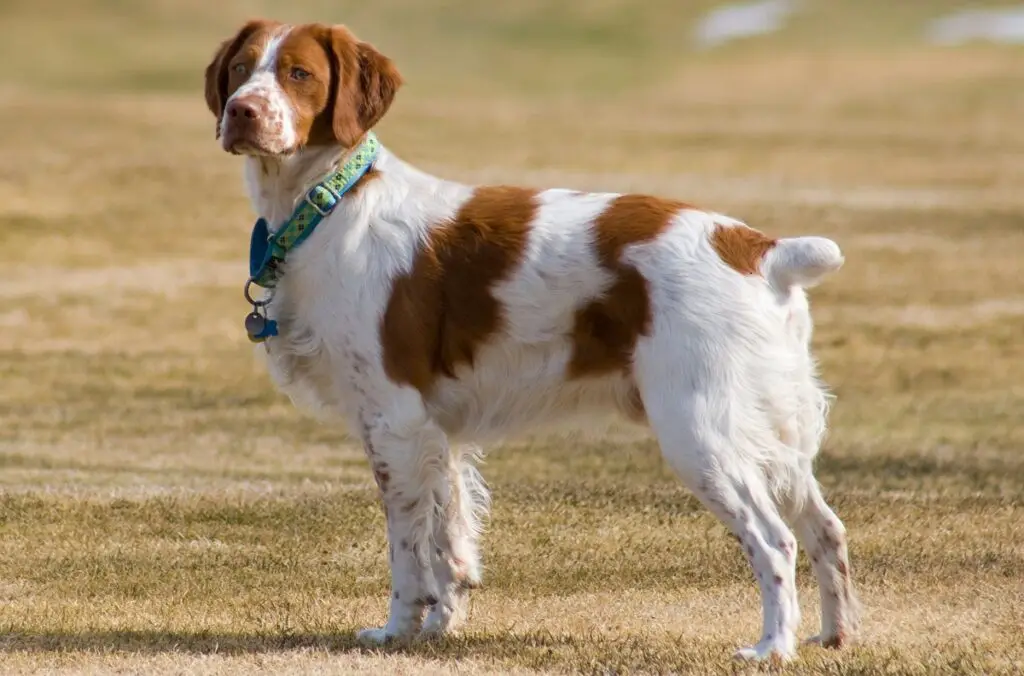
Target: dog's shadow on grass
(214,643)
(585,651)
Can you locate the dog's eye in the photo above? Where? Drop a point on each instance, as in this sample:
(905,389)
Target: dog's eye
(299,74)
(240,68)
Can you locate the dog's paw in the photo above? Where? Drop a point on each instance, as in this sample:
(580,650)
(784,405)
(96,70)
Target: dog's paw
(435,630)
(766,649)
(835,641)
(447,615)
(374,636)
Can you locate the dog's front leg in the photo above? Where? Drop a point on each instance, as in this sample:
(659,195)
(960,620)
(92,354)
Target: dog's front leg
(455,558)
(409,459)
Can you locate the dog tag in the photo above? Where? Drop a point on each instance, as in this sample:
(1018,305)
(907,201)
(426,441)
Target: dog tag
(255,323)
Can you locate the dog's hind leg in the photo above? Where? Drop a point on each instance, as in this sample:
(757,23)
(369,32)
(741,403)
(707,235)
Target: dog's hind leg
(715,443)
(738,494)
(824,537)
(819,530)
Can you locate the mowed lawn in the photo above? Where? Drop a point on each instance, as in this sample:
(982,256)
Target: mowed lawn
(164,511)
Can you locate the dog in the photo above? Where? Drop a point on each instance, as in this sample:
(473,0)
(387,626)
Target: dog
(430,316)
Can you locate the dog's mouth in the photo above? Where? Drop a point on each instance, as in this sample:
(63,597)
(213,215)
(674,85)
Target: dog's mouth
(250,143)
(248,148)
(251,148)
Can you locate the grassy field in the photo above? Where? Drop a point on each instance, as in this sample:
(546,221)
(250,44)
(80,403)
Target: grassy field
(163,510)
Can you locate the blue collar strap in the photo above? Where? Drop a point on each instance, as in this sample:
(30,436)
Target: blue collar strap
(267,251)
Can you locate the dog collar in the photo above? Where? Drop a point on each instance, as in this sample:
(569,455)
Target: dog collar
(267,251)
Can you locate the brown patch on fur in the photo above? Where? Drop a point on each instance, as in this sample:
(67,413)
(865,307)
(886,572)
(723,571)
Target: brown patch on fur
(444,308)
(605,330)
(741,248)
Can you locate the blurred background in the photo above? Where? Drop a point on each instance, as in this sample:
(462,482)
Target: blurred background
(157,492)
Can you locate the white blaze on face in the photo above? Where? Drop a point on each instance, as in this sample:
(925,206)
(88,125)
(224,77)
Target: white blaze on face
(276,116)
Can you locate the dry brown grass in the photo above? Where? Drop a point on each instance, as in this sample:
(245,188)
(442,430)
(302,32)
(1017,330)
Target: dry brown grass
(164,511)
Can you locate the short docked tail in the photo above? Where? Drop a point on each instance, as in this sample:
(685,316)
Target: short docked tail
(800,261)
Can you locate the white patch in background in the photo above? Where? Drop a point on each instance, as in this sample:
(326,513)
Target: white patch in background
(1004,25)
(741,20)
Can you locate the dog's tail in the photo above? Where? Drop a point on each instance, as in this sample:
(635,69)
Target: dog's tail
(800,261)
(785,263)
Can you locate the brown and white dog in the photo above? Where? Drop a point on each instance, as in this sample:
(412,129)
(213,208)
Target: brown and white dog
(426,313)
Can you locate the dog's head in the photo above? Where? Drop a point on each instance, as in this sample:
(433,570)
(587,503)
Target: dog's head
(276,88)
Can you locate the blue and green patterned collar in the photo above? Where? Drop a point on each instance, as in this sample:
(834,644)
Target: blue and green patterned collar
(267,251)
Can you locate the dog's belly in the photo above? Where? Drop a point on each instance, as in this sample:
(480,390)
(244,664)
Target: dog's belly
(517,388)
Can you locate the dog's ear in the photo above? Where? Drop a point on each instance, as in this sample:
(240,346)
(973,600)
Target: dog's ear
(364,83)
(379,81)
(217,74)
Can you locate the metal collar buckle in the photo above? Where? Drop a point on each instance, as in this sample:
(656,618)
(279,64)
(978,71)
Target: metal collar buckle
(316,207)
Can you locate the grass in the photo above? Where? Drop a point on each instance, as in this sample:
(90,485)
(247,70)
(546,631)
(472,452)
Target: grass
(163,510)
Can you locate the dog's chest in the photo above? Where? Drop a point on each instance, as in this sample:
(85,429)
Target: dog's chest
(328,319)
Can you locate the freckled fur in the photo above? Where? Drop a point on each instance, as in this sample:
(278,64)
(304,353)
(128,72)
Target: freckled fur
(431,315)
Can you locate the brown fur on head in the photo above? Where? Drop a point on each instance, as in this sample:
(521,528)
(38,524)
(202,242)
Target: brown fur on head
(365,83)
(321,85)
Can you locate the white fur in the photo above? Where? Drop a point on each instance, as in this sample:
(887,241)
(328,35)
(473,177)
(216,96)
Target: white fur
(801,261)
(725,375)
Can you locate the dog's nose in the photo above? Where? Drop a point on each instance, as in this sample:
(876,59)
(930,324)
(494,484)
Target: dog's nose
(240,108)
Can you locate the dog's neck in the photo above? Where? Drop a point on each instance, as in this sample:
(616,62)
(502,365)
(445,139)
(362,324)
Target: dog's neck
(276,184)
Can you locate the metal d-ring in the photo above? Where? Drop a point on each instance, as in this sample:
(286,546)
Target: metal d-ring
(248,297)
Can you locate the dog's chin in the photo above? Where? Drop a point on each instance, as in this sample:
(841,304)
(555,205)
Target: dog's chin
(248,149)
(254,148)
